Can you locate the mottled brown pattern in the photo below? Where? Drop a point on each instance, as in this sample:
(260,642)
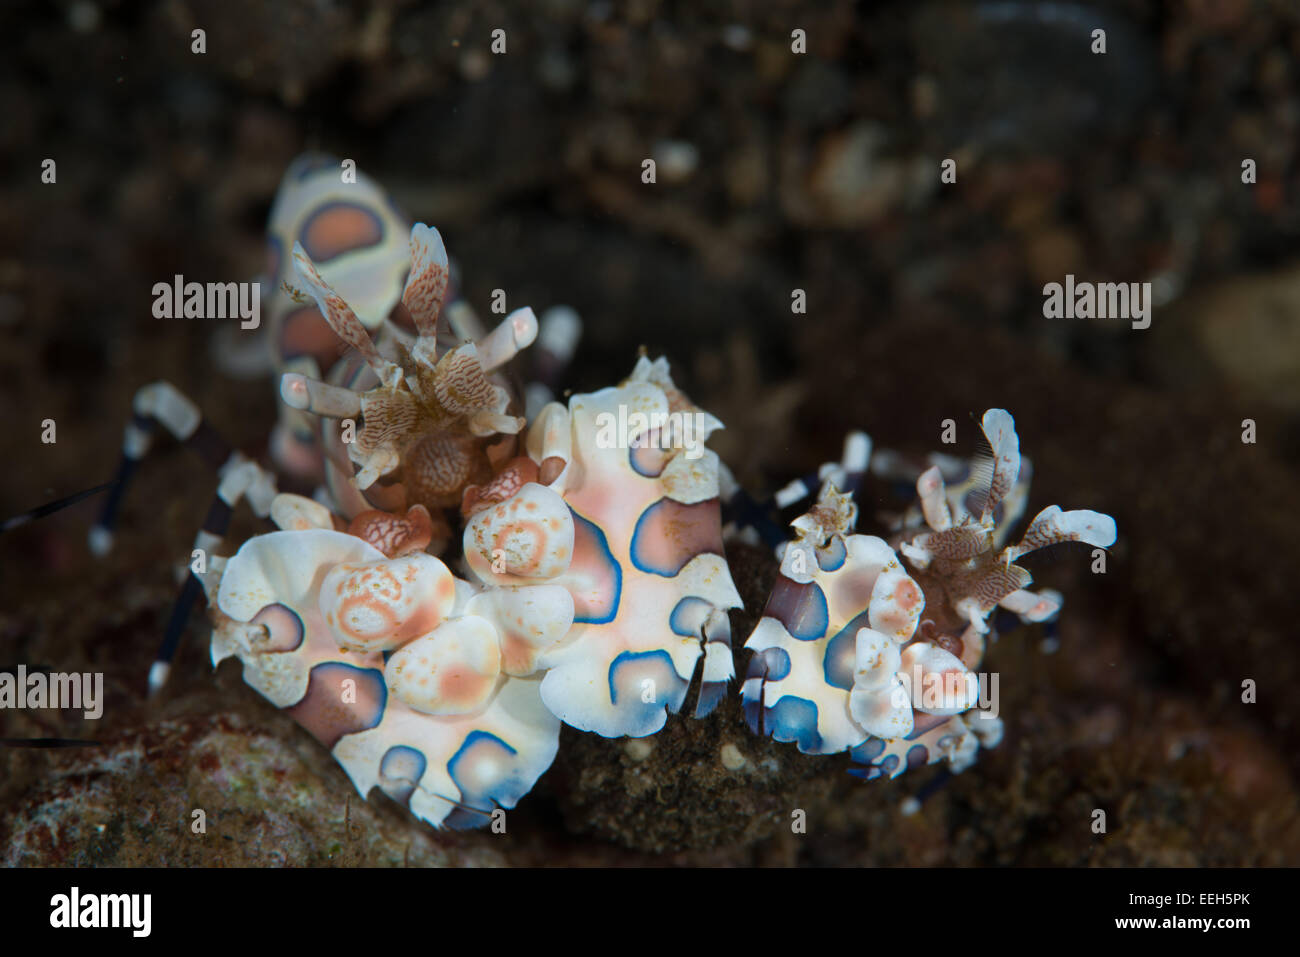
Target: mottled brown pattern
(339,314)
(1044,532)
(517,473)
(424,292)
(394,535)
(388,417)
(1000,582)
(461,385)
(964,541)
(438,465)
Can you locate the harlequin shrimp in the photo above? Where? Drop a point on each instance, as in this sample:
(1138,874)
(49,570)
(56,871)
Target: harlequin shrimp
(646,571)
(870,645)
(592,585)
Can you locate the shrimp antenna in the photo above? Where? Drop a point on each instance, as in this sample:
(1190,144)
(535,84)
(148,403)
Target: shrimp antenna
(50,507)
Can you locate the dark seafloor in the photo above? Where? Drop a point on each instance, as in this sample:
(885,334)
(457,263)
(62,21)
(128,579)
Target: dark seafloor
(815,171)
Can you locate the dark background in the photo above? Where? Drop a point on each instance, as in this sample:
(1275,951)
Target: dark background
(816,171)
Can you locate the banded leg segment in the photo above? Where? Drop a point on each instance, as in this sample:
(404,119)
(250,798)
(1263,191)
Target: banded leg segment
(240,478)
(753,519)
(159,403)
(845,474)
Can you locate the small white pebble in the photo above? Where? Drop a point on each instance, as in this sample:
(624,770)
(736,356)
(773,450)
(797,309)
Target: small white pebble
(737,37)
(638,749)
(83,17)
(100,541)
(909,806)
(732,759)
(676,159)
(1049,646)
